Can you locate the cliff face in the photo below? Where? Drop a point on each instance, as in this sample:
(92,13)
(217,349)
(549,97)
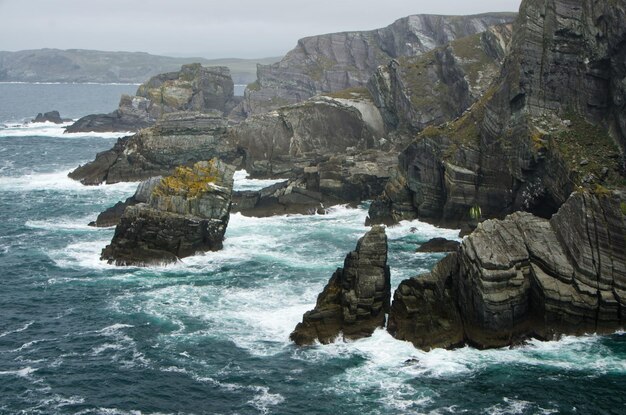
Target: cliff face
(185,213)
(413,92)
(356,298)
(526,144)
(337,61)
(193,88)
(522,277)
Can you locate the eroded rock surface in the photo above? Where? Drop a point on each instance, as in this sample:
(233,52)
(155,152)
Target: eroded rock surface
(187,212)
(182,138)
(526,144)
(522,277)
(194,88)
(355,300)
(337,61)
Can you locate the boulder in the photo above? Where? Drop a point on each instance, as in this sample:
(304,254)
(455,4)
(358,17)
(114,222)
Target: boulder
(439,245)
(522,277)
(355,300)
(187,212)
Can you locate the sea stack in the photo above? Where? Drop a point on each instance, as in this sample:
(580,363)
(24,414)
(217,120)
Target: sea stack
(187,212)
(355,300)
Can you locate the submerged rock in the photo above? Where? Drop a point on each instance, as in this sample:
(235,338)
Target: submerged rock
(522,277)
(355,300)
(187,212)
(193,88)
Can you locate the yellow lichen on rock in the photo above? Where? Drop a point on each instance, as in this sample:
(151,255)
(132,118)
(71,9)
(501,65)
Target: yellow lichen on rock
(189,182)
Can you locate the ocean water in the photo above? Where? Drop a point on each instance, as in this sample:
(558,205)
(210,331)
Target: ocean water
(210,334)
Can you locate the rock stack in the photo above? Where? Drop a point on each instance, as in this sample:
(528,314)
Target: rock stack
(355,300)
(187,212)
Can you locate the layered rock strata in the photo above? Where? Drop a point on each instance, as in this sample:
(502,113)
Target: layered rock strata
(177,139)
(298,134)
(522,277)
(413,92)
(112,215)
(194,88)
(355,300)
(187,212)
(337,61)
(553,120)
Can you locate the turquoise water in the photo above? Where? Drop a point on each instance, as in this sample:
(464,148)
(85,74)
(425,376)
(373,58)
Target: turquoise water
(210,334)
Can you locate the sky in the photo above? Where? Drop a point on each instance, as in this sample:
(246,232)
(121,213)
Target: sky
(211,29)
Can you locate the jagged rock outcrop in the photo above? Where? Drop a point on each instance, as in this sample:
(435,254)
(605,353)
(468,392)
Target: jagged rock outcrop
(194,88)
(413,92)
(278,141)
(522,277)
(50,116)
(186,213)
(112,215)
(177,139)
(349,178)
(553,120)
(337,61)
(356,298)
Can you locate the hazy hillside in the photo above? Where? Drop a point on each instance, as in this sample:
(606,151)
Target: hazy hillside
(76,65)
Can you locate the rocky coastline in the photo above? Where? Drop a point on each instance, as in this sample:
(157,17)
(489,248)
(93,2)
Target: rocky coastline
(513,132)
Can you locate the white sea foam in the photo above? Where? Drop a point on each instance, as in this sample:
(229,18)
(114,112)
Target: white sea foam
(242,182)
(424,230)
(22,373)
(264,400)
(58,181)
(48,129)
(24,327)
(65,224)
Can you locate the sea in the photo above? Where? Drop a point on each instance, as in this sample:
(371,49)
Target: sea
(210,334)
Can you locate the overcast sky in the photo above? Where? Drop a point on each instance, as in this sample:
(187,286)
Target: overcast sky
(212,29)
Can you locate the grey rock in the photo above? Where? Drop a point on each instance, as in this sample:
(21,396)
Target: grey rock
(50,116)
(522,277)
(355,301)
(439,245)
(413,92)
(512,150)
(112,215)
(337,61)
(186,213)
(177,139)
(194,88)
